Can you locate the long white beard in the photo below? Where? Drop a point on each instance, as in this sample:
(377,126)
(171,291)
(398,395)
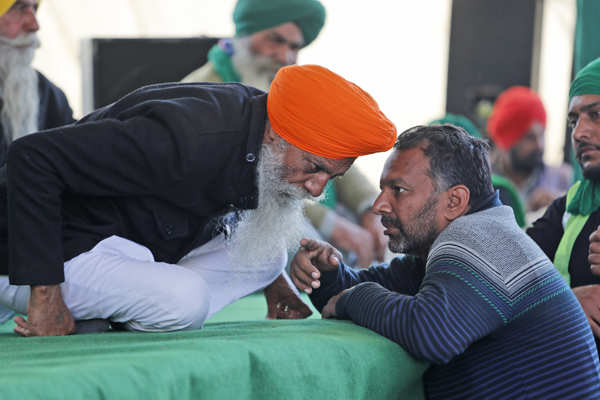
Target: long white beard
(254,69)
(19,86)
(277,223)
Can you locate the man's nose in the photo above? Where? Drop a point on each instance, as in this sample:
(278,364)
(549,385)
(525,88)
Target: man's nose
(582,130)
(316,184)
(284,55)
(381,206)
(30,22)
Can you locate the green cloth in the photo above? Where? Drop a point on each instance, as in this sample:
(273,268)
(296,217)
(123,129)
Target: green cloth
(587,80)
(502,183)
(329,199)
(573,228)
(586,199)
(251,359)
(221,61)
(251,16)
(587,32)
(460,121)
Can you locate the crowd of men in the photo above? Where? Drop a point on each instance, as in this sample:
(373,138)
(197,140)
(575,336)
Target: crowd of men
(155,212)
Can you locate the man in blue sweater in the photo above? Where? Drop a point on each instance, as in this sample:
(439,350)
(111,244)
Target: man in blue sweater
(472,294)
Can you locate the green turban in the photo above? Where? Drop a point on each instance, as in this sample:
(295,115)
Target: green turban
(251,16)
(587,80)
(460,121)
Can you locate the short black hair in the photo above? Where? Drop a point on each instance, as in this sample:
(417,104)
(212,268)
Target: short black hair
(455,157)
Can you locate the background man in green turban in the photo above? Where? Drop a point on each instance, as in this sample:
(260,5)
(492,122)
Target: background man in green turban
(571,222)
(268,36)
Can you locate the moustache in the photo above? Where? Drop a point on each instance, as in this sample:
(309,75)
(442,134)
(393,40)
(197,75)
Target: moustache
(581,146)
(390,221)
(22,41)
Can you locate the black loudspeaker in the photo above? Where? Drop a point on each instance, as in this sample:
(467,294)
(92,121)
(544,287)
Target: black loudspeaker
(115,67)
(493,45)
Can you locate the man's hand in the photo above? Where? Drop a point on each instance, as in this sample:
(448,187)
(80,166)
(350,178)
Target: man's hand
(351,237)
(329,310)
(372,223)
(589,297)
(47,314)
(311,259)
(594,254)
(283,301)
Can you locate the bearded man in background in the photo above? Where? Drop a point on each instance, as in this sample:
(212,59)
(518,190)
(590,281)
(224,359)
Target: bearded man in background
(29,102)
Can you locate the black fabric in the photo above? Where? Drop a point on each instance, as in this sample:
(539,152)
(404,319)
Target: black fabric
(489,201)
(54,111)
(547,232)
(156,167)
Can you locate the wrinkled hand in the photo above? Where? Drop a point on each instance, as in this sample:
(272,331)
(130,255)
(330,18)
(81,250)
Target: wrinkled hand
(47,314)
(329,310)
(589,297)
(540,198)
(283,301)
(372,223)
(311,259)
(594,254)
(351,237)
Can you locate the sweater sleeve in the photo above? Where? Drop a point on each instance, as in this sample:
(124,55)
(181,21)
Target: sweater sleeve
(403,275)
(452,309)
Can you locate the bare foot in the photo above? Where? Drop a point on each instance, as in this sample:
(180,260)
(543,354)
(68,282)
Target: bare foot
(47,314)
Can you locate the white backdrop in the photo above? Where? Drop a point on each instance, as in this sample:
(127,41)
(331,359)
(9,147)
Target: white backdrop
(396,50)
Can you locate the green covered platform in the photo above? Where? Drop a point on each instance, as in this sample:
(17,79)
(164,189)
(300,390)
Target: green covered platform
(238,355)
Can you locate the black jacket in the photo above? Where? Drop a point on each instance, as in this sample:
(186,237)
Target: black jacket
(156,167)
(548,231)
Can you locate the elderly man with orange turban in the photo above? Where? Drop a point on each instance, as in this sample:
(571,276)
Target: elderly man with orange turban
(156,211)
(516,126)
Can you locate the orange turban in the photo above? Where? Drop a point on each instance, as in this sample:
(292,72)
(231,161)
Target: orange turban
(320,112)
(513,113)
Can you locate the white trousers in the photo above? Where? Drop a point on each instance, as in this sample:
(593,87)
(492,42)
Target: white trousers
(120,281)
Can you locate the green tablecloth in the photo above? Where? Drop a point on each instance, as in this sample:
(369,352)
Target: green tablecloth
(228,359)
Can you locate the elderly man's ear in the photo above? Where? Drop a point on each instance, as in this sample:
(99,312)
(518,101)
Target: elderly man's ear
(457,202)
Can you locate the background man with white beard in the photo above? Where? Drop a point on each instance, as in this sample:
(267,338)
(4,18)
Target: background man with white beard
(161,208)
(269,35)
(29,102)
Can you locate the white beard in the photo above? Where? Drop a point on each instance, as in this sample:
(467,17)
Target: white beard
(277,223)
(254,69)
(19,86)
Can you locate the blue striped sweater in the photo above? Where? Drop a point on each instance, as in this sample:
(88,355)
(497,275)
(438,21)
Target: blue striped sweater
(488,311)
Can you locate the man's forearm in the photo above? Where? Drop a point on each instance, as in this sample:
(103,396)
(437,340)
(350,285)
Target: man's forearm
(47,314)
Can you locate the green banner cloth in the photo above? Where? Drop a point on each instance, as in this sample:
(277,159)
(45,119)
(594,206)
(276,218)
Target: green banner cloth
(252,359)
